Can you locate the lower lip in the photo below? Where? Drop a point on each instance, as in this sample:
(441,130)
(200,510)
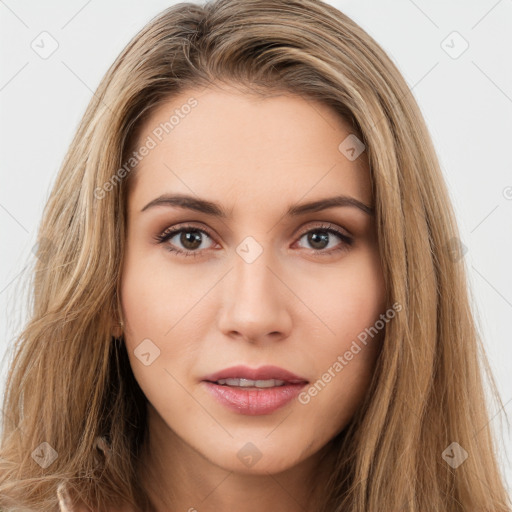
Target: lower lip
(252,401)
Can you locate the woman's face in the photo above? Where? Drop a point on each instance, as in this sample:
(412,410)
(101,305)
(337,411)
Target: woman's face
(250,277)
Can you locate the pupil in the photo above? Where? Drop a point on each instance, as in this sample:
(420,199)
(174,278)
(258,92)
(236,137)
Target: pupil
(189,237)
(314,238)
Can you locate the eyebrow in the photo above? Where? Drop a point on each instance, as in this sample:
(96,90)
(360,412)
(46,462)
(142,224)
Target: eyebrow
(216,210)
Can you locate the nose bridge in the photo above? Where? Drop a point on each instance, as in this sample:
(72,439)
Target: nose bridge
(253,303)
(253,284)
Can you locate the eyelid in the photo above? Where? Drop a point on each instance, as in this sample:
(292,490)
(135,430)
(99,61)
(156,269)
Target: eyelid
(182,226)
(326,225)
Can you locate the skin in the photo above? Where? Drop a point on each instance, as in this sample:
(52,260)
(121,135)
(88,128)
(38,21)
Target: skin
(292,307)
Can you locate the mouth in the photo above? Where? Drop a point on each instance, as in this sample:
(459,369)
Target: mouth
(244,376)
(254,391)
(249,383)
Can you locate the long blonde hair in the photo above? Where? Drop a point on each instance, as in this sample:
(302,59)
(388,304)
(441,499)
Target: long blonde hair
(70,382)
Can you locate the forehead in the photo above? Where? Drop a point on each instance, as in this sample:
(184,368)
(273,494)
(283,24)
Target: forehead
(222,143)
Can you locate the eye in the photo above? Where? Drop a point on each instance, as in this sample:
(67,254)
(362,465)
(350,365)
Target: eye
(319,238)
(191,238)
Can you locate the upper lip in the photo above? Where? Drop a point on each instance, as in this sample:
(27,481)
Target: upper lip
(261,373)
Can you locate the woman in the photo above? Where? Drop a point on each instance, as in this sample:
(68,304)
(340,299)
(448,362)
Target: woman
(249,291)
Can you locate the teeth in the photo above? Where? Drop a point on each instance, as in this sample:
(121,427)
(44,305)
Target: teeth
(246,383)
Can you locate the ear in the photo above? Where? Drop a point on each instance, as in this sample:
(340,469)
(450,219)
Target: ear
(117,329)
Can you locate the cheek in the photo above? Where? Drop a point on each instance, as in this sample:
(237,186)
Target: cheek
(347,298)
(144,301)
(152,308)
(159,304)
(350,304)
(142,297)
(150,292)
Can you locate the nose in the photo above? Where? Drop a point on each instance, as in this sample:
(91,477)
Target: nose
(256,302)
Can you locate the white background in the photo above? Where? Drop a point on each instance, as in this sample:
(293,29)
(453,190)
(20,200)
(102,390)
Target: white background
(466,101)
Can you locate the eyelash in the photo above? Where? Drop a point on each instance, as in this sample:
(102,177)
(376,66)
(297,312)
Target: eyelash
(169,233)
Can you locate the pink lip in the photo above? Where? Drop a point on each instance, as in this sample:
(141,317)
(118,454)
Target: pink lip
(252,401)
(262,373)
